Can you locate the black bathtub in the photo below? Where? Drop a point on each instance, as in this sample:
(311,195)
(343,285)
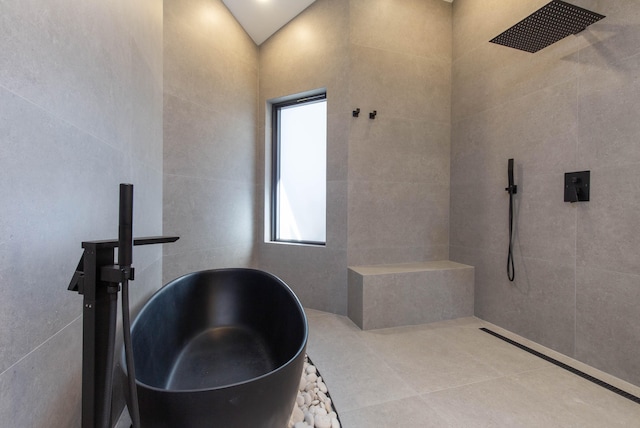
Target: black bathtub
(220,348)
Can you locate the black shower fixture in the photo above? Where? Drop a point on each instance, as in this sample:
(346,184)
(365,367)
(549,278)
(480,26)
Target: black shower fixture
(512,189)
(576,186)
(547,25)
(98,280)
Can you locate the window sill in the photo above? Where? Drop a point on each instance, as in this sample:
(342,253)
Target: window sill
(297,244)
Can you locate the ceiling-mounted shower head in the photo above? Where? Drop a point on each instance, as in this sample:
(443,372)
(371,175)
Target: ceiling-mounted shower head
(547,25)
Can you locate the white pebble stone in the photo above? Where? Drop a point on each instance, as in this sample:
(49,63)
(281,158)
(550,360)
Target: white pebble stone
(313,407)
(297,415)
(323,421)
(308,419)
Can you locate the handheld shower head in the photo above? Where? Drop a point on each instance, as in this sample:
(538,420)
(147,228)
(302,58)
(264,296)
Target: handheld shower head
(512,188)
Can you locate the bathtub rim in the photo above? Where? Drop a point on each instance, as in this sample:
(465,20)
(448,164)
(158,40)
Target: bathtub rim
(301,349)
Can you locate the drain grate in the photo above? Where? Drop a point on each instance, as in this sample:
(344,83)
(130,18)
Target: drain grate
(547,25)
(573,370)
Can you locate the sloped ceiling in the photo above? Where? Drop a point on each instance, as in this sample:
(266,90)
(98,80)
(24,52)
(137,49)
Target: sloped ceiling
(261,18)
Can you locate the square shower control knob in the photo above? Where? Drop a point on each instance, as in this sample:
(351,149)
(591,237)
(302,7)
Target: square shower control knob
(576,186)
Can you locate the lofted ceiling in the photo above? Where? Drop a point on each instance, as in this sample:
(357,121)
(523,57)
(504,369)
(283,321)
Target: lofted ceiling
(261,18)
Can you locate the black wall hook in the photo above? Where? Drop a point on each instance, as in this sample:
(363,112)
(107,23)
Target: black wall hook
(373,114)
(356,112)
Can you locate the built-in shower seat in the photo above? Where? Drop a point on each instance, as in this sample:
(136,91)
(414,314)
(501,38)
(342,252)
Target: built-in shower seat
(393,295)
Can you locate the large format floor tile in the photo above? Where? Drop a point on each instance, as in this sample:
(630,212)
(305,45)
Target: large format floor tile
(450,374)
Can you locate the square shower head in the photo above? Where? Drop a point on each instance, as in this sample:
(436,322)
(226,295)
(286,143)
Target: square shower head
(547,25)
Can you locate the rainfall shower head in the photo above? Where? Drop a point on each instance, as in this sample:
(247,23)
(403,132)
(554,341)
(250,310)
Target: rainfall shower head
(547,25)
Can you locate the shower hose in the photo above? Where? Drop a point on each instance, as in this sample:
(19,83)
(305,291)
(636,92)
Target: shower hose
(134,411)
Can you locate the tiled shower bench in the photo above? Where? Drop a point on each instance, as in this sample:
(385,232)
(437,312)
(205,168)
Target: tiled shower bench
(393,295)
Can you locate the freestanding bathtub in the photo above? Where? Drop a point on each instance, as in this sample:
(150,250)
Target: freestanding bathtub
(219,348)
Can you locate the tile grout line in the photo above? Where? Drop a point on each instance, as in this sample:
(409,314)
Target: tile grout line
(396,374)
(67,122)
(39,346)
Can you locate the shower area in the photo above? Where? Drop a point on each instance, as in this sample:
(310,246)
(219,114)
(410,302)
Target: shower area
(568,107)
(182,93)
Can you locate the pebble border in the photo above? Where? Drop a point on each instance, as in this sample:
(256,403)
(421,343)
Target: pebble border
(314,407)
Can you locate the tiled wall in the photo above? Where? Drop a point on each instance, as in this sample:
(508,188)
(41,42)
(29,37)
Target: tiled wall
(210,105)
(388,191)
(400,54)
(311,52)
(570,107)
(80,112)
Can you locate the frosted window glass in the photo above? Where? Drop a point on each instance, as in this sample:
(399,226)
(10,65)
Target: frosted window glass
(302,186)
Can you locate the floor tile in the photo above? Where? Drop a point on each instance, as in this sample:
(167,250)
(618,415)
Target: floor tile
(499,355)
(577,399)
(408,412)
(429,361)
(495,403)
(450,374)
(355,375)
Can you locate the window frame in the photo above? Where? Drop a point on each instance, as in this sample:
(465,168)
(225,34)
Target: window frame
(276,107)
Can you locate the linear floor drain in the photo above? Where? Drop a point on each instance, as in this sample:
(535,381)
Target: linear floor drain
(573,370)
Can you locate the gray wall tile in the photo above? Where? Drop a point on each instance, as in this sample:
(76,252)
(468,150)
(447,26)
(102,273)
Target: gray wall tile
(400,85)
(207,213)
(206,143)
(51,372)
(210,103)
(84,80)
(605,224)
(310,53)
(80,112)
(399,162)
(607,334)
(413,27)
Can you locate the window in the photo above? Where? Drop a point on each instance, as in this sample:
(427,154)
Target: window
(299,158)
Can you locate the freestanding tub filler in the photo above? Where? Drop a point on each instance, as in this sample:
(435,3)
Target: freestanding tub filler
(219,348)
